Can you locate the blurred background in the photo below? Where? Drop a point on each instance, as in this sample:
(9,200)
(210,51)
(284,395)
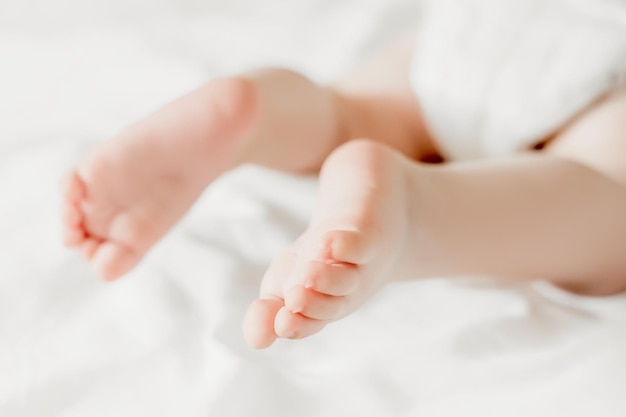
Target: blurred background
(119,59)
(166,340)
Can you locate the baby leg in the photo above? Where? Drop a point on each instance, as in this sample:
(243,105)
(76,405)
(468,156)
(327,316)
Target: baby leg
(350,250)
(122,198)
(131,190)
(556,215)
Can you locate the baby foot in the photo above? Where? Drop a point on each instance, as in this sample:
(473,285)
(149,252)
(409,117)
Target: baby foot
(131,190)
(357,242)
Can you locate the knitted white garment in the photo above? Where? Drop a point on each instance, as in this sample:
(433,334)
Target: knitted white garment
(496,76)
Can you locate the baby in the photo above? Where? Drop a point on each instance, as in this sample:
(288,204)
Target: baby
(529,127)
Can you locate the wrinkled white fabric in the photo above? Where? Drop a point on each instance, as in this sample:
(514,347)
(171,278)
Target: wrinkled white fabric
(498,76)
(166,341)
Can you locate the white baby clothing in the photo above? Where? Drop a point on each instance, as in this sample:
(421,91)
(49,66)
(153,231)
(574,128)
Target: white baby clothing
(496,76)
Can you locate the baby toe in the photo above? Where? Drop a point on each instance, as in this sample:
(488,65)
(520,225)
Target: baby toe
(275,277)
(355,247)
(88,247)
(73,237)
(338,279)
(72,215)
(314,305)
(290,325)
(112,260)
(72,187)
(258,323)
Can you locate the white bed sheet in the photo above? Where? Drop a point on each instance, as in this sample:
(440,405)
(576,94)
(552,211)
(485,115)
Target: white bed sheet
(166,340)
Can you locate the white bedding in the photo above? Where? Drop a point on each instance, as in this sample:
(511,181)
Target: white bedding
(166,340)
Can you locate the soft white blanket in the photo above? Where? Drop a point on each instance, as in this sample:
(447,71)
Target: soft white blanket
(166,340)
